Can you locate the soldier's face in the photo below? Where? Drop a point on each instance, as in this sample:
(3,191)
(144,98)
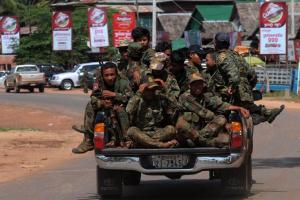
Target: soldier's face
(144,42)
(196,88)
(195,58)
(109,76)
(210,63)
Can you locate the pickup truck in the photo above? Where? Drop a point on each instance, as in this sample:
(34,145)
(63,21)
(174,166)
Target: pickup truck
(25,77)
(231,163)
(68,80)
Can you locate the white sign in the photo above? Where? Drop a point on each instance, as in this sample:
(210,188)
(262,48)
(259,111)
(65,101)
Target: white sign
(273,40)
(99,36)
(62,40)
(10,43)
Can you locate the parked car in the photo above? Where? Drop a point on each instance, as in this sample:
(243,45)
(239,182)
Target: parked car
(68,80)
(3,75)
(50,70)
(25,77)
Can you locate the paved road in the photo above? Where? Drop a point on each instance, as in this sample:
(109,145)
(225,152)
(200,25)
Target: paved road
(276,167)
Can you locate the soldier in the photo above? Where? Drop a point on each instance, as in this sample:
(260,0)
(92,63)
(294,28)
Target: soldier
(123,63)
(204,116)
(195,54)
(239,79)
(111,96)
(142,36)
(166,48)
(151,115)
(162,76)
(178,70)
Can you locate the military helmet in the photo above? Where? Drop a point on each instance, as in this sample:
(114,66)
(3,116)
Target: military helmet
(135,49)
(157,62)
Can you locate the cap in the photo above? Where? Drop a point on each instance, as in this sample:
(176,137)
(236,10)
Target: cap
(157,61)
(196,49)
(151,84)
(134,49)
(196,77)
(222,37)
(124,43)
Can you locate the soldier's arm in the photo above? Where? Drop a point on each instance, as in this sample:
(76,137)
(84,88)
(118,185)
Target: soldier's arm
(215,103)
(191,105)
(132,106)
(124,95)
(96,99)
(231,71)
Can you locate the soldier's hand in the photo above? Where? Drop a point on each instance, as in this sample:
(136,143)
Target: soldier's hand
(142,87)
(136,77)
(108,94)
(230,91)
(160,82)
(245,113)
(107,103)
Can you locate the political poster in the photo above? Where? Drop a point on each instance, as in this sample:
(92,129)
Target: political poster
(98,31)
(61,31)
(10,34)
(123,24)
(273,28)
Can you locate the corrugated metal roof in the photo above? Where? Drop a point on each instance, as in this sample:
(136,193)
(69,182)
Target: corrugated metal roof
(209,29)
(132,8)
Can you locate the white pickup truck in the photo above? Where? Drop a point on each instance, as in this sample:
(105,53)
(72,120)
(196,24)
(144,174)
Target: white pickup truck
(25,77)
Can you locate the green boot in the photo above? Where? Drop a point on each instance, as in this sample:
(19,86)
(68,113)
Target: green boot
(86,145)
(274,113)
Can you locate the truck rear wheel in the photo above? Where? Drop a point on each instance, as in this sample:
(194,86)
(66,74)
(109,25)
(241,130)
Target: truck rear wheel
(41,88)
(109,183)
(6,87)
(131,178)
(17,89)
(31,89)
(238,181)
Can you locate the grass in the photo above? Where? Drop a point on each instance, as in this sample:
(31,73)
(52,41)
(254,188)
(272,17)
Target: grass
(2,129)
(282,95)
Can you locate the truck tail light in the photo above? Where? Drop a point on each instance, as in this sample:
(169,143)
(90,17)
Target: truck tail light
(236,141)
(99,131)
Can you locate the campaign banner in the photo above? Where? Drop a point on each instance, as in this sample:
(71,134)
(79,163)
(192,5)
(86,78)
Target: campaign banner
(10,34)
(273,28)
(62,31)
(98,31)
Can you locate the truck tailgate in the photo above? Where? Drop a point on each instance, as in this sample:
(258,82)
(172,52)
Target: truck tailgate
(32,77)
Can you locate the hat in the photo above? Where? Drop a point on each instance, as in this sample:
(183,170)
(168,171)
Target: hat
(157,61)
(134,49)
(124,43)
(196,49)
(222,37)
(151,84)
(196,77)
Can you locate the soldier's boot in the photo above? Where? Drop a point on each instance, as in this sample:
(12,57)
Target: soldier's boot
(86,145)
(274,113)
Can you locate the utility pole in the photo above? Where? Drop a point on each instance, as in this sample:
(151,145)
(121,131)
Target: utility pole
(293,19)
(154,24)
(137,12)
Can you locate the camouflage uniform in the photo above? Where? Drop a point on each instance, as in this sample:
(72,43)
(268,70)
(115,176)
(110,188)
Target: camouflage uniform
(203,118)
(146,58)
(123,93)
(152,121)
(182,81)
(190,68)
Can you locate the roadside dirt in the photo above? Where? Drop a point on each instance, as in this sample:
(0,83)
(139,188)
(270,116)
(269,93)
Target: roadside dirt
(38,140)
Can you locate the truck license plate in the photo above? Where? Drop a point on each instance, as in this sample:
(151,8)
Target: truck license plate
(170,161)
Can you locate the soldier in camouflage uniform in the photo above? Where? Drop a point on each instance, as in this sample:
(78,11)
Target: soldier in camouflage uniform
(179,71)
(204,116)
(142,36)
(111,96)
(162,76)
(84,81)
(123,50)
(151,116)
(239,79)
(195,54)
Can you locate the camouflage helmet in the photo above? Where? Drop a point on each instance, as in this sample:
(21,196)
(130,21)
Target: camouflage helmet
(196,77)
(124,43)
(135,49)
(157,61)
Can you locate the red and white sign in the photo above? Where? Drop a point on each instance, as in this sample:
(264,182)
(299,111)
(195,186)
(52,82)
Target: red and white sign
(273,28)
(123,24)
(10,34)
(98,31)
(61,31)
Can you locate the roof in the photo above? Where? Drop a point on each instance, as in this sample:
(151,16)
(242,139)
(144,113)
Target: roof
(218,12)
(174,23)
(209,29)
(248,13)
